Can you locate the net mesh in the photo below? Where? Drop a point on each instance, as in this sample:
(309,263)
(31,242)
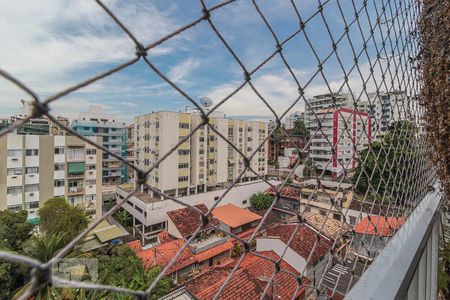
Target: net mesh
(372,45)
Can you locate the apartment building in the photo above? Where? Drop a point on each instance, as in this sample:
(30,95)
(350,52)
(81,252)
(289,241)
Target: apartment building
(35,168)
(130,148)
(341,129)
(204,162)
(113,136)
(37,126)
(384,108)
(325,101)
(290,120)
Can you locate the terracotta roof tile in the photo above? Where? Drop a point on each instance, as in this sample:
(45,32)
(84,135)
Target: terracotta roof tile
(211,252)
(234,216)
(248,282)
(188,220)
(379,225)
(135,245)
(303,241)
(331,228)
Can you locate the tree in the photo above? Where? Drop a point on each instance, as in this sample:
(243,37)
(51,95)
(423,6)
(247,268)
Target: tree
(389,170)
(309,168)
(261,201)
(58,216)
(300,129)
(14,231)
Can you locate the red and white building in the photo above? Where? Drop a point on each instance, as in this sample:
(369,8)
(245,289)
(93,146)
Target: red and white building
(341,129)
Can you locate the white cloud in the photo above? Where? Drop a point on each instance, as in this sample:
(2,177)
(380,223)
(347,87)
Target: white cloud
(180,72)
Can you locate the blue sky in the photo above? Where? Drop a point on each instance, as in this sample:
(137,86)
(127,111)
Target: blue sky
(52,44)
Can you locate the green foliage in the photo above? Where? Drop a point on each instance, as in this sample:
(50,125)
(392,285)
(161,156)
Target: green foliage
(382,164)
(237,250)
(14,229)
(261,201)
(43,247)
(300,129)
(59,217)
(309,169)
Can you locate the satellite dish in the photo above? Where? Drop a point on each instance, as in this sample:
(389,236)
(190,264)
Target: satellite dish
(206,102)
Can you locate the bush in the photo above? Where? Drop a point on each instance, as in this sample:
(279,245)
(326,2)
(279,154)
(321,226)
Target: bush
(261,201)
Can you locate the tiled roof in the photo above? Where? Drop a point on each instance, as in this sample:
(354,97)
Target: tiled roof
(211,252)
(234,216)
(248,282)
(379,225)
(188,220)
(135,245)
(287,192)
(303,241)
(162,254)
(331,228)
(164,237)
(272,217)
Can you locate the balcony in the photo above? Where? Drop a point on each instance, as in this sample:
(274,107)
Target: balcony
(75,190)
(203,243)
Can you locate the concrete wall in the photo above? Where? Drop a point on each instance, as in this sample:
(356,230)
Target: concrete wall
(277,246)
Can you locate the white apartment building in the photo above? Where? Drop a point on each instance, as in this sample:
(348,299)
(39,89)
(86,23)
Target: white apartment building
(290,120)
(205,161)
(341,129)
(35,168)
(325,101)
(385,108)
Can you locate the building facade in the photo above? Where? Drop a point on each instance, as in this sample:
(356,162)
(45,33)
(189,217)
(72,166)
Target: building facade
(130,148)
(290,120)
(205,161)
(35,168)
(113,136)
(325,101)
(341,129)
(384,108)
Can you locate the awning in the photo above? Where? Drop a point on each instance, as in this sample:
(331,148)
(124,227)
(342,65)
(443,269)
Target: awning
(76,168)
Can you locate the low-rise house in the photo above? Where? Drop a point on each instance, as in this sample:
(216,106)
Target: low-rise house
(250,280)
(372,233)
(236,220)
(308,251)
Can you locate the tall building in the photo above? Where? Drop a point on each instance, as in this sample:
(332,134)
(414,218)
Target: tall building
(384,108)
(325,101)
(205,161)
(34,168)
(56,130)
(114,137)
(130,148)
(36,126)
(341,129)
(290,120)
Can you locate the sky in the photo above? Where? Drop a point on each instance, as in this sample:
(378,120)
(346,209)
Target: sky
(53,44)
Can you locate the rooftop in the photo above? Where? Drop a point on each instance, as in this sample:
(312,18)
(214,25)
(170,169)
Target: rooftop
(187,220)
(379,225)
(329,184)
(343,275)
(234,216)
(249,281)
(303,242)
(329,227)
(144,197)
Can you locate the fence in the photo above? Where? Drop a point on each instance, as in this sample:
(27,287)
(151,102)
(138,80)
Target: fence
(374,48)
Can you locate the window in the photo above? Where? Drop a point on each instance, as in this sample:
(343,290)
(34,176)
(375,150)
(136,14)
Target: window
(202,151)
(59,150)
(14,207)
(337,217)
(14,190)
(14,152)
(216,198)
(32,152)
(244,202)
(90,197)
(15,171)
(183,152)
(32,205)
(59,167)
(183,178)
(184,125)
(32,170)
(91,151)
(59,182)
(183,166)
(29,188)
